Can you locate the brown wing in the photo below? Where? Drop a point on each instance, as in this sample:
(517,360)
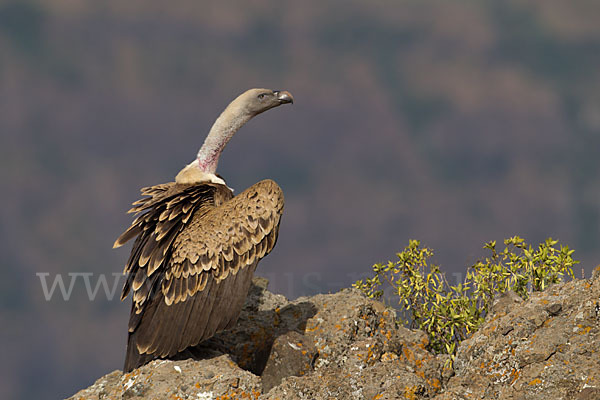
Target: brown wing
(200,285)
(163,215)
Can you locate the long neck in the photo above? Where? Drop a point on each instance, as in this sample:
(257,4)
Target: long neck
(228,123)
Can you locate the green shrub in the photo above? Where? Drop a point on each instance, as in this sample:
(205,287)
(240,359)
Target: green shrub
(449,314)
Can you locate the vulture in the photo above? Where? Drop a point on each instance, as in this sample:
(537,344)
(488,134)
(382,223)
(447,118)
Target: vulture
(196,245)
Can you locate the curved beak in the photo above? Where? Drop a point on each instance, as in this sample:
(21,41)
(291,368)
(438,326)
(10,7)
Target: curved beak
(284,96)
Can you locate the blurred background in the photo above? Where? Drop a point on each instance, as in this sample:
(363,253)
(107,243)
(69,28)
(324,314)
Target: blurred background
(454,123)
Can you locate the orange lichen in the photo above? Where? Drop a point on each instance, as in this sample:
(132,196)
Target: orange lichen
(435,383)
(418,363)
(312,328)
(514,374)
(583,330)
(239,395)
(534,382)
(408,354)
(410,392)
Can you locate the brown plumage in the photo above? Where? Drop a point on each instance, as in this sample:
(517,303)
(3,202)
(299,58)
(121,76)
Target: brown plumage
(197,246)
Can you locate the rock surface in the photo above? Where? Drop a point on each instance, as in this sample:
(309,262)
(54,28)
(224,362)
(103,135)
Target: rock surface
(545,348)
(346,346)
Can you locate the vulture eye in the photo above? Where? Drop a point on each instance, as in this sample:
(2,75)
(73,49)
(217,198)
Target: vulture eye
(261,96)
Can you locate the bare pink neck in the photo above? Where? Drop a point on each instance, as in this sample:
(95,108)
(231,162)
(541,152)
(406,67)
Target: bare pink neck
(228,123)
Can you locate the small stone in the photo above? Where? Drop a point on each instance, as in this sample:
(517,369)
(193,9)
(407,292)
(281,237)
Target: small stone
(291,355)
(554,309)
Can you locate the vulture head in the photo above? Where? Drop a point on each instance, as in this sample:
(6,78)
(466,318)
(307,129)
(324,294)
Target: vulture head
(246,106)
(256,101)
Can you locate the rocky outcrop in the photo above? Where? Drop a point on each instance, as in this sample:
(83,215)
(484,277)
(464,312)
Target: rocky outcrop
(346,346)
(545,348)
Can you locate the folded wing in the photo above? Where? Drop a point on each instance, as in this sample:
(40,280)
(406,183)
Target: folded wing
(192,262)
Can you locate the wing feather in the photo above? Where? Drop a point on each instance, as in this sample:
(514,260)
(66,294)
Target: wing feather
(191,284)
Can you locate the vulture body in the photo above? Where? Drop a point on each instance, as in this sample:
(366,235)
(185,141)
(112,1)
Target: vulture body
(197,246)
